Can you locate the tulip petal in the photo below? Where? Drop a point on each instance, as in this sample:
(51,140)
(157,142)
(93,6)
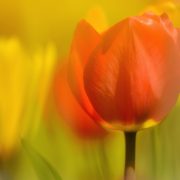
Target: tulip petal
(101,73)
(85,40)
(80,122)
(163,63)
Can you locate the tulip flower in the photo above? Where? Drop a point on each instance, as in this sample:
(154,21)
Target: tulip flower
(70,110)
(12,93)
(128,75)
(24,85)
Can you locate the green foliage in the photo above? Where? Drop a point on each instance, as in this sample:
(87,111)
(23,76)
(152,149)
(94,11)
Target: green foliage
(44,170)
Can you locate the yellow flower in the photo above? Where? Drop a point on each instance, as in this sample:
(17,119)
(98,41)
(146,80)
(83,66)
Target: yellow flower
(24,83)
(97,18)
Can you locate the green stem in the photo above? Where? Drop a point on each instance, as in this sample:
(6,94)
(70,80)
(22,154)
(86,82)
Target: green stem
(130,145)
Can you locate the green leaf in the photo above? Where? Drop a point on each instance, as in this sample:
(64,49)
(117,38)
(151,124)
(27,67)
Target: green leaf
(44,170)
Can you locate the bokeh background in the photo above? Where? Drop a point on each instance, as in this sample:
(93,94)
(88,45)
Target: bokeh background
(35,140)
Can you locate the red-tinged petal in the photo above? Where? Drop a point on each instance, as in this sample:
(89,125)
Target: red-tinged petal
(70,110)
(102,72)
(132,75)
(85,40)
(161,49)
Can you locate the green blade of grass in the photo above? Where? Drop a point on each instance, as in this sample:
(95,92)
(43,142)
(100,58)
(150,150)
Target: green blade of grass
(44,170)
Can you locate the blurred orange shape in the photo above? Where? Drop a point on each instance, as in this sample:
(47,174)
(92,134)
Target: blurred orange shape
(128,75)
(85,40)
(70,110)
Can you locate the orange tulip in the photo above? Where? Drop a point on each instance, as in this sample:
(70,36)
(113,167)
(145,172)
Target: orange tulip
(128,75)
(70,110)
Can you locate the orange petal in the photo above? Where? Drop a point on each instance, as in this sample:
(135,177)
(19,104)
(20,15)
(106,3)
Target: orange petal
(70,110)
(84,42)
(161,44)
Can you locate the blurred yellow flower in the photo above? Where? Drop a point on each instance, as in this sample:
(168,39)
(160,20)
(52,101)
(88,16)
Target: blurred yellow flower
(97,18)
(24,79)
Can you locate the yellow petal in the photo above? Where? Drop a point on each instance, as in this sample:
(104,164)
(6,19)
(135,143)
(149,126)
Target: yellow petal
(25,79)
(13,74)
(96,17)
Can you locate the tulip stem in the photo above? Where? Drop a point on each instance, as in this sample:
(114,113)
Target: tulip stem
(130,145)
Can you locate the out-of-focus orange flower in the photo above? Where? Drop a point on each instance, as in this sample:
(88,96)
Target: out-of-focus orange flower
(70,110)
(131,71)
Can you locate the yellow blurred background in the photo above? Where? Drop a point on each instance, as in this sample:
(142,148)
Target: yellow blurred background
(35,36)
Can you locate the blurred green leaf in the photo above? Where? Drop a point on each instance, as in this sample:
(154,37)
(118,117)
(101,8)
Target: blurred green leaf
(44,170)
